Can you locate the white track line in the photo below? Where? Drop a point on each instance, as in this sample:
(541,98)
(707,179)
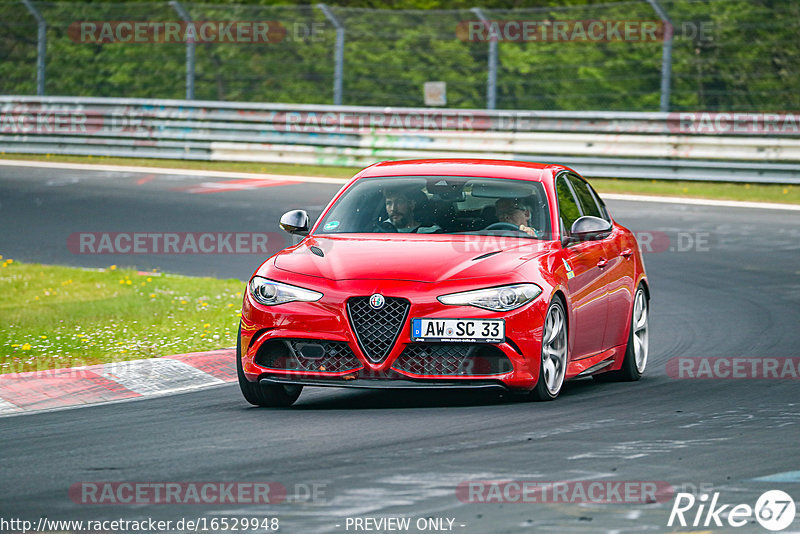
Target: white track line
(702,202)
(163,170)
(321,180)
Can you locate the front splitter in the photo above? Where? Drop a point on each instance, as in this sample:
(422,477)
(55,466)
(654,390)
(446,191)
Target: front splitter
(387,384)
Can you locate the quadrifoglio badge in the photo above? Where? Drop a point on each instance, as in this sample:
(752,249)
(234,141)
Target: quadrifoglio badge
(774,510)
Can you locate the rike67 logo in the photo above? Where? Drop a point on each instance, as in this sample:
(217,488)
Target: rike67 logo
(774,510)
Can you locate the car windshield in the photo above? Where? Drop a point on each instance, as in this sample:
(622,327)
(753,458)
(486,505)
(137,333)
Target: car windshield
(442,205)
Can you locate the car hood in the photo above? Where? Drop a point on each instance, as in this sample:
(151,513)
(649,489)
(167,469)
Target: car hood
(415,257)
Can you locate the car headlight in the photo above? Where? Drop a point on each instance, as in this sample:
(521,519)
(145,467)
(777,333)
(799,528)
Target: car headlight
(504,298)
(270,293)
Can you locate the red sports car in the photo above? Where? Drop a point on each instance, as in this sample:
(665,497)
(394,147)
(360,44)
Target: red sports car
(448,274)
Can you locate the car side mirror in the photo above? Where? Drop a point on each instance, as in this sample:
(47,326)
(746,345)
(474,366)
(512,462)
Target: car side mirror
(588,228)
(295,222)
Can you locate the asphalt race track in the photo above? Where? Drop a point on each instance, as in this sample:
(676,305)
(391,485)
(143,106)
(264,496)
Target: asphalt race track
(730,287)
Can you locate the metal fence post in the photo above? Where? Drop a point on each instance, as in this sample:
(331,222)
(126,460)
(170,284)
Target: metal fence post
(338,68)
(666,54)
(41,46)
(491,79)
(190,44)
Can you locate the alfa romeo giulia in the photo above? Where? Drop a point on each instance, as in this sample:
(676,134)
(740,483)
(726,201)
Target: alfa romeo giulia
(448,274)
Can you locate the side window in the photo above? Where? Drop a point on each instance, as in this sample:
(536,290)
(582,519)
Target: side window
(567,206)
(587,201)
(603,208)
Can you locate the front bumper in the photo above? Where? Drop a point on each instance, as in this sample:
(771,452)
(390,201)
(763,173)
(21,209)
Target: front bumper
(513,364)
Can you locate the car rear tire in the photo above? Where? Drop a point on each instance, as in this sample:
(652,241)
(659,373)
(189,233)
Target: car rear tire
(637,350)
(553,359)
(266,395)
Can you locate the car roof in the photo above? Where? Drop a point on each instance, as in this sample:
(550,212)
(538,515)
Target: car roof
(485,168)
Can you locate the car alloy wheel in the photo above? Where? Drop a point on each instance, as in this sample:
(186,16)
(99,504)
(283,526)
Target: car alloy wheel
(554,353)
(640,336)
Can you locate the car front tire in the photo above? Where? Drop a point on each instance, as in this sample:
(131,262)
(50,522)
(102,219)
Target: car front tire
(553,359)
(266,395)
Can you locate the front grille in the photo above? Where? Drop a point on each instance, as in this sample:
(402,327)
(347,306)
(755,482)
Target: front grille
(318,356)
(377,330)
(452,359)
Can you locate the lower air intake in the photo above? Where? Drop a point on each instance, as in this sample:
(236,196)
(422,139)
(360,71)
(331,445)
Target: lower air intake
(452,359)
(316,356)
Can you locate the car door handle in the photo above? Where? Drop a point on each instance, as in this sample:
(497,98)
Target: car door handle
(627,253)
(602,263)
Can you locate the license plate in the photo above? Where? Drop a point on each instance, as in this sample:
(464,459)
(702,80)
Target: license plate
(462,330)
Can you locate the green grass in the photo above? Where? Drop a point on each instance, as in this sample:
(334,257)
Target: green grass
(785,194)
(54,317)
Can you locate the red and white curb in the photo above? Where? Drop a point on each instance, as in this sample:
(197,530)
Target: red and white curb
(112,382)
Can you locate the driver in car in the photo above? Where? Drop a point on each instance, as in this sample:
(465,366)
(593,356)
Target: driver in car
(515,211)
(401,205)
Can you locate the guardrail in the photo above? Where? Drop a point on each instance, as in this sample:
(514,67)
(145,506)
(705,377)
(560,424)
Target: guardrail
(742,147)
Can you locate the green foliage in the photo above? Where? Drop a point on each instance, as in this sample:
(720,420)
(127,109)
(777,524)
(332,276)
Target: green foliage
(727,55)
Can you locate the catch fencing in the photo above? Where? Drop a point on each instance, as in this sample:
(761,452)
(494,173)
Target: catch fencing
(632,55)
